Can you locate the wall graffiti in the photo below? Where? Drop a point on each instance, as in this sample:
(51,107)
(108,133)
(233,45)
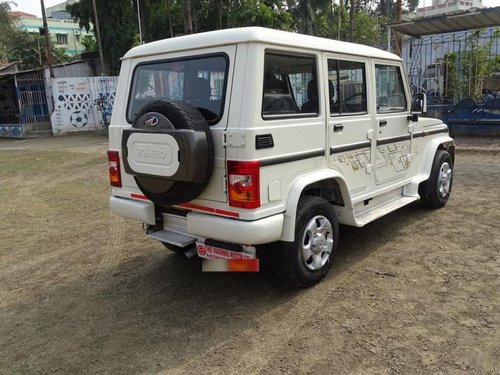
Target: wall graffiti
(82,104)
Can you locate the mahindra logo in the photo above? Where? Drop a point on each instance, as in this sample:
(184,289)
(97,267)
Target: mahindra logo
(152,121)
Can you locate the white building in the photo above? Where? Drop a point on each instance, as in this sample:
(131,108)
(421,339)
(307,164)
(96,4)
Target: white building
(448,6)
(64,32)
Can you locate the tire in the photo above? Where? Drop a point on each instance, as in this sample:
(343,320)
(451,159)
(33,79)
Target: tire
(175,115)
(435,191)
(304,263)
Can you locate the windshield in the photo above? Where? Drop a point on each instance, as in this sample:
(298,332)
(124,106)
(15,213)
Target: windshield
(199,81)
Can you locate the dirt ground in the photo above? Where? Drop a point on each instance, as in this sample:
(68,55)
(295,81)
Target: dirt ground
(84,291)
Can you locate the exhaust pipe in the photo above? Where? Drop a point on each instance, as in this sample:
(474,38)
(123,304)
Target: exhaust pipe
(191,252)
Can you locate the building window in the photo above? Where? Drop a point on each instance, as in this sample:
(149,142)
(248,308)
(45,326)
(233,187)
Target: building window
(77,37)
(62,38)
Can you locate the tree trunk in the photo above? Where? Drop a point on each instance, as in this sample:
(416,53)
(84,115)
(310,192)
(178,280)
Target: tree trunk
(398,20)
(169,15)
(309,19)
(352,13)
(220,13)
(188,22)
(194,21)
(340,19)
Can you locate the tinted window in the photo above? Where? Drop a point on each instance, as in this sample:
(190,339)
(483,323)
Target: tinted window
(390,90)
(289,85)
(347,86)
(200,82)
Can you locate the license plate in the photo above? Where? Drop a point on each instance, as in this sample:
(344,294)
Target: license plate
(213,252)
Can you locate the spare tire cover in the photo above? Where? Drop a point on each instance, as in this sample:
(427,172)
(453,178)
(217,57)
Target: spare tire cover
(167,117)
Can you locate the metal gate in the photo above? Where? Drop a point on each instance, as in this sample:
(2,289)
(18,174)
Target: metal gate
(32,98)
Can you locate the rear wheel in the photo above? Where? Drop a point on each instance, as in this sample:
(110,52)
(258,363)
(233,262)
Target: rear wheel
(308,259)
(435,191)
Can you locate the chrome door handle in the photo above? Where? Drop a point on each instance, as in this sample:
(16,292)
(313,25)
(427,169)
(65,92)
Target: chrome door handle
(382,123)
(338,128)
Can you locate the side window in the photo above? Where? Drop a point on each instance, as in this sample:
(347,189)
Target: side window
(347,87)
(289,85)
(390,90)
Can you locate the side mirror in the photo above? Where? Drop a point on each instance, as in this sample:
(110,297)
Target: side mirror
(419,103)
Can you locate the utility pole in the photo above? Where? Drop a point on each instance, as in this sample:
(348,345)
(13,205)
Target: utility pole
(139,20)
(98,35)
(48,57)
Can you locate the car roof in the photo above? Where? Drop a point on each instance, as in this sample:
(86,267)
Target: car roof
(255,34)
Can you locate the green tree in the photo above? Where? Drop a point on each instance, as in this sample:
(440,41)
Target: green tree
(89,43)
(118,26)
(467,70)
(306,13)
(21,46)
(362,21)
(28,50)
(6,28)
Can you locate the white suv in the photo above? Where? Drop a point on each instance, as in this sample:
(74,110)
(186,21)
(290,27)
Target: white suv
(236,138)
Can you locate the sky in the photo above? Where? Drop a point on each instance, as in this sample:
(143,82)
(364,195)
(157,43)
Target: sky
(33,6)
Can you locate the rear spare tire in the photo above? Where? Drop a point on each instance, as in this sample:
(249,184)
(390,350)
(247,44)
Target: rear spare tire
(169,151)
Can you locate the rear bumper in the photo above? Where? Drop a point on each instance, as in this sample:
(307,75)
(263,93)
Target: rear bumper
(254,232)
(133,209)
(207,226)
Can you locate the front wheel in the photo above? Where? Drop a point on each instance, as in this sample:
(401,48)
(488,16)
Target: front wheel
(308,259)
(436,190)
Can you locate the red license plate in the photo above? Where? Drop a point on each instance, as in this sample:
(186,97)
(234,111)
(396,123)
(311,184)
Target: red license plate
(213,252)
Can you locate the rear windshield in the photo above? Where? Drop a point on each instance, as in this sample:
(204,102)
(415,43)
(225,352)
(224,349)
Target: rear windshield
(199,81)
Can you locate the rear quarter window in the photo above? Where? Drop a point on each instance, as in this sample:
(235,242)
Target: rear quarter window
(290,87)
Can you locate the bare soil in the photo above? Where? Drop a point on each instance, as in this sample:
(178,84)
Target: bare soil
(84,291)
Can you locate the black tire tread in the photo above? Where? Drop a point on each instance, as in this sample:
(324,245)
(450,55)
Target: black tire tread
(429,195)
(287,264)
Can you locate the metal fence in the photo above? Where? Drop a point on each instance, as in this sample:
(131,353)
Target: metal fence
(425,57)
(32,98)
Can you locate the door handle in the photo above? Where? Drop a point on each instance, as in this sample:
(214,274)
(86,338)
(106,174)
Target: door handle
(382,123)
(338,128)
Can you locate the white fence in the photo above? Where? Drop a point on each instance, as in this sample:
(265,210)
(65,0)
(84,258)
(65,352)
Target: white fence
(82,104)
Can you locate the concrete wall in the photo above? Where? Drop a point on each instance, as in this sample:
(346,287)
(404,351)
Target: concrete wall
(76,103)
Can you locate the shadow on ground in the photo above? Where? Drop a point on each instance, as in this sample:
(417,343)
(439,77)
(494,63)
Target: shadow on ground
(153,314)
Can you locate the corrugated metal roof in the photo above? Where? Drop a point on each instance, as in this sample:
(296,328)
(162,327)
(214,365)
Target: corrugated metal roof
(10,68)
(446,23)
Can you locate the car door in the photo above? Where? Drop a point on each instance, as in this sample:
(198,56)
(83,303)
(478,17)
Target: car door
(393,129)
(349,123)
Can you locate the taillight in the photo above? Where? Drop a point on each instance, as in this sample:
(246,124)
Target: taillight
(115,178)
(244,183)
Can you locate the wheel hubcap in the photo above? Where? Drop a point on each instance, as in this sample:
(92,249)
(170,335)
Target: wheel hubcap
(317,243)
(444,180)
